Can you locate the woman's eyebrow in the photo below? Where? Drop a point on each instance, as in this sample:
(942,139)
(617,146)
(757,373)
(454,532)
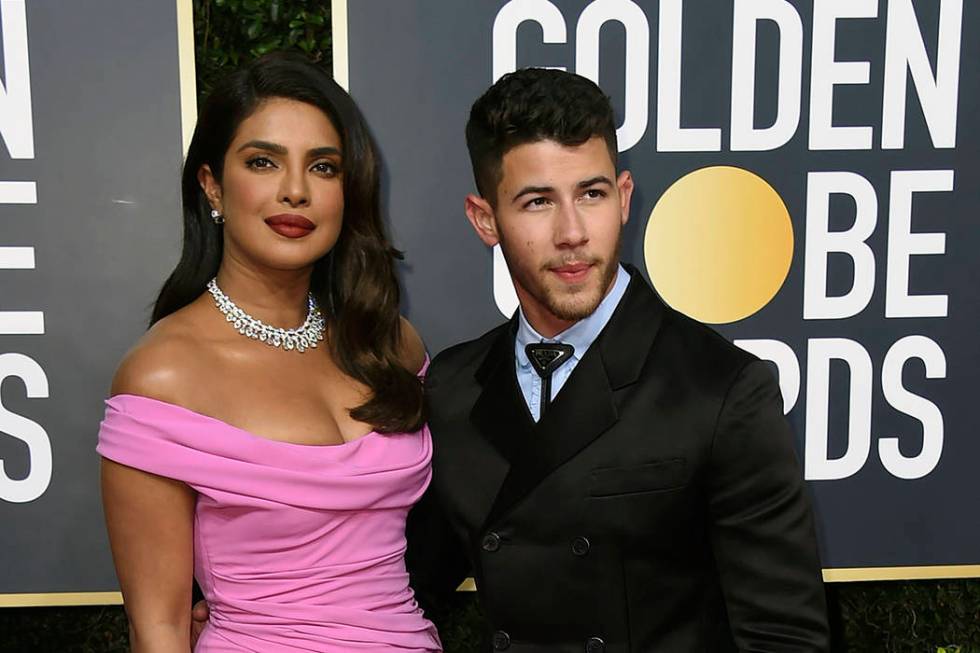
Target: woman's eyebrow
(275,148)
(324,151)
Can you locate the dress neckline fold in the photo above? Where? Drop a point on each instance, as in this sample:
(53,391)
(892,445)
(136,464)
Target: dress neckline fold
(127,397)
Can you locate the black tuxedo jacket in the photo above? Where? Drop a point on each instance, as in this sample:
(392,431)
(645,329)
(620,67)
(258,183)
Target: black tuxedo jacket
(657,506)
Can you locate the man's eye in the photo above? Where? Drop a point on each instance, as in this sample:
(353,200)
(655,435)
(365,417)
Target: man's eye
(537,202)
(259,162)
(595,193)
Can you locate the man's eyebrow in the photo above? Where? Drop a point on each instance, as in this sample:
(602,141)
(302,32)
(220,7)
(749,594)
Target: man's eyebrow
(600,179)
(527,190)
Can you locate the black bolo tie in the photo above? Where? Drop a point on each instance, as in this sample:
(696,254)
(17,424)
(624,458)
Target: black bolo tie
(546,357)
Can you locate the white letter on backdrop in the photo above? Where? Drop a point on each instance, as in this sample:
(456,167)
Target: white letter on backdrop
(505,25)
(922,409)
(30,433)
(817,463)
(825,73)
(16,323)
(748,13)
(820,241)
(939,95)
(16,121)
(637,60)
(671,137)
(902,243)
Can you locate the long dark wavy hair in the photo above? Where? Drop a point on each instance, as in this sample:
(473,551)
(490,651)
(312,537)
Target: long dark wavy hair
(355,282)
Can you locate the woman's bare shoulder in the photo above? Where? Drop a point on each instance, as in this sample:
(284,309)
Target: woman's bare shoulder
(164,364)
(411,349)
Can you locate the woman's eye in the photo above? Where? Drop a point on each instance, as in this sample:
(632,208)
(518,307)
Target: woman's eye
(259,162)
(325,168)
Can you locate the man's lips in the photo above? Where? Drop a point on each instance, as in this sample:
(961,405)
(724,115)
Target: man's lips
(572,272)
(290,225)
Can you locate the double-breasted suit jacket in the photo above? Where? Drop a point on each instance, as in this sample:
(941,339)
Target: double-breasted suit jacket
(657,506)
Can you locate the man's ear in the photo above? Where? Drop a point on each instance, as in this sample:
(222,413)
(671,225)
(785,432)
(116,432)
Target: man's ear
(210,186)
(624,184)
(482,217)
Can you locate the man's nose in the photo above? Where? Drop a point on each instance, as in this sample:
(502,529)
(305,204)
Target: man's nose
(570,228)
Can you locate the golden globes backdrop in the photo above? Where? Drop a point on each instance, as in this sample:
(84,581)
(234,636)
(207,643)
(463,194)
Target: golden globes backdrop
(807,182)
(91,131)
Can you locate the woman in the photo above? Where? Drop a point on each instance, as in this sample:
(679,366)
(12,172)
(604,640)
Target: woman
(266,434)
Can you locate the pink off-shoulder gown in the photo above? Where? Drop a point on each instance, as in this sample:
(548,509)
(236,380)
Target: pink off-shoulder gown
(296,547)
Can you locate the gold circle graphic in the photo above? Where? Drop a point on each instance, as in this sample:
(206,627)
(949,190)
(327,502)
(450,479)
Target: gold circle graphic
(718,244)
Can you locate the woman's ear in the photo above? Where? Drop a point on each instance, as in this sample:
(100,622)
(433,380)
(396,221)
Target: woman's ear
(210,186)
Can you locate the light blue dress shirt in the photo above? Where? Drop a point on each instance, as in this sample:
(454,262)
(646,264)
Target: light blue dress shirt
(580,336)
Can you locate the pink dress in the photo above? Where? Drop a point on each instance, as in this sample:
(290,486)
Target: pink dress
(297,547)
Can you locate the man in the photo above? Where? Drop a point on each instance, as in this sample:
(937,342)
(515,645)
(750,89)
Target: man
(617,477)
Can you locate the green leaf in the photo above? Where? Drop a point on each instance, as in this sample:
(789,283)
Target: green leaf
(267,46)
(254,29)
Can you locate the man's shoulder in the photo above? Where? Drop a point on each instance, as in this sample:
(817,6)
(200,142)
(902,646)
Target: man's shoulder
(699,349)
(680,341)
(465,356)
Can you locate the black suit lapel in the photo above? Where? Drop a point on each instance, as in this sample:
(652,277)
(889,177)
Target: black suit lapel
(500,414)
(581,412)
(585,407)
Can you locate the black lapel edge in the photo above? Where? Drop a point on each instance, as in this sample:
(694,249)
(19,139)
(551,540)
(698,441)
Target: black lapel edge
(636,322)
(499,413)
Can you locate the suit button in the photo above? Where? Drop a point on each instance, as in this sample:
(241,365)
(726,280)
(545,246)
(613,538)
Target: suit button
(595,645)
(581,546)
(491,542)
(501,641)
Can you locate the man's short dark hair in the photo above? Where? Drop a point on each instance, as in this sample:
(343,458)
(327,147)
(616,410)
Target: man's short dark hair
(530,105)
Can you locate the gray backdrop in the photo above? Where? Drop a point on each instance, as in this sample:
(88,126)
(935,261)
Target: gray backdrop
(105,120)
(415,68)
(105,104)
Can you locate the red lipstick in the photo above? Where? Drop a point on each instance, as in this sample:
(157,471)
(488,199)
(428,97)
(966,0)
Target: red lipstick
(290,225)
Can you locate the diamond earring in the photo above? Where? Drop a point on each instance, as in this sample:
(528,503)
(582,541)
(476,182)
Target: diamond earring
(217,217)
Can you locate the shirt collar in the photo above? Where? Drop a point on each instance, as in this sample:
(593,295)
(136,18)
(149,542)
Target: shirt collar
(581,334)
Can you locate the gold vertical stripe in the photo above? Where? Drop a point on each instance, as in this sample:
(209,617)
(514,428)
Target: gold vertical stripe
(338,20)
(60,599)
(188,73)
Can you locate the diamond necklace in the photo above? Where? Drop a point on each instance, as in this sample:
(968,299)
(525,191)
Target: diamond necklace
(300,339)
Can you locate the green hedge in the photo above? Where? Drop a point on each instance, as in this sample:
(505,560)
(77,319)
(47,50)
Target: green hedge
(230,32)
(892,617)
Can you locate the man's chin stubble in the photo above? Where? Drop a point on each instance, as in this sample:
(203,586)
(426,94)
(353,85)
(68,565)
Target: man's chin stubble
(575,309)
(579,308)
